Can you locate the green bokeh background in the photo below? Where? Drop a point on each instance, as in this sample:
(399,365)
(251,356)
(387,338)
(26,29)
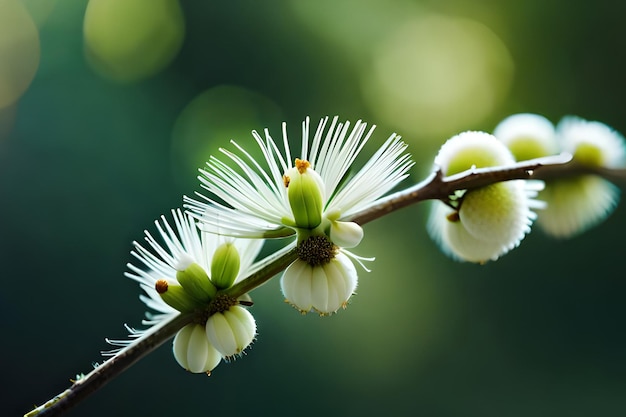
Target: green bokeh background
(88,162)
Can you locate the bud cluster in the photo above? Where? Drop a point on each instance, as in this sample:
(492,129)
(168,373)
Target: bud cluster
(575,203)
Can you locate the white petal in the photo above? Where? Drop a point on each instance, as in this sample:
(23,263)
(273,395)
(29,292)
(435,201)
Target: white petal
(220,334)
(231,331)
(193,351)
(322,288)
(296,285)
(197,349)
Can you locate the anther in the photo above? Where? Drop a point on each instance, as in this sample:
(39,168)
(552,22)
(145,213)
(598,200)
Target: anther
(317,250)
(302,165)
(161,286)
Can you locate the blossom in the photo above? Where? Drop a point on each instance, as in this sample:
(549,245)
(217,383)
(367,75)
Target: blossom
(575,203)
(580,202)
(527,135)
(311,197)
(485,223)
(231,330)
(174,274)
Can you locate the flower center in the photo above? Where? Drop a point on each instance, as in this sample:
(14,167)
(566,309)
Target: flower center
(219,304)
(317,250)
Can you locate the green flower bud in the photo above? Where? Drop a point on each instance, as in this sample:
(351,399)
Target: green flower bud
(176,296)
(225,265)
(305,192)
(195,281)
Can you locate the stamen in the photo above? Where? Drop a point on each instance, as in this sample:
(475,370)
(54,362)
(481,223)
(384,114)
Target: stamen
(219,304)
(302,165)
(317,250)
(286,180)
(161,286)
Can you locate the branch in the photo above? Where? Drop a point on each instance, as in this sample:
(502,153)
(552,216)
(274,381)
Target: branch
(438,187)
(434,187)
(111,368)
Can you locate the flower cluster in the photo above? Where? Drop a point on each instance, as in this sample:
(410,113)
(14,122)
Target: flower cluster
(309,197)
(578,202)
(183,275)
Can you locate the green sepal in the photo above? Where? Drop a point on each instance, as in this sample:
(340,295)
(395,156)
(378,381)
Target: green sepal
(176,296)
(225,265)
(196,282)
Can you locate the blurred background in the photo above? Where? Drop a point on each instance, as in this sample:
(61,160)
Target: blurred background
(109,107)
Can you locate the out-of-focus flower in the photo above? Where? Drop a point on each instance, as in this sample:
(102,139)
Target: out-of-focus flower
(482,224)
(575,203)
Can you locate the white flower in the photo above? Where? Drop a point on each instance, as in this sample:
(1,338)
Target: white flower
(592,143)
(324,288)
(257,202)
(193,351)
(231,331)
(482,224)
(527,136)
(310,196)
(183,252)
(578,203)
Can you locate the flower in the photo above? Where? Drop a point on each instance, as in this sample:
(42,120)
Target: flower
(231,330)
(324,288)
(577,203)
(485,223)
(310,197)
(193,351)
(173,275)
(527,135)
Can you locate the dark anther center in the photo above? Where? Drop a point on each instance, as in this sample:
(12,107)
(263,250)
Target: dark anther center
(317,250)
(219,304)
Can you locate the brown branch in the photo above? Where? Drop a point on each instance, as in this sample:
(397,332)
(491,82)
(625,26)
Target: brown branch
(111,368)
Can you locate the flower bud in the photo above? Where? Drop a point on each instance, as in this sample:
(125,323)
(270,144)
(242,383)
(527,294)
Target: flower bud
(345,234)
(231,331)
(193,351)
(488,221)
(324,288)
(305,193)
(225,265)
(176,296)
(195,281)
(576,204)
(527,136)
(592,143)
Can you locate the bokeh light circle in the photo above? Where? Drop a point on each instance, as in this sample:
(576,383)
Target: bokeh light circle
(129,40)
(435,76)
(19,51)
(212,119)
